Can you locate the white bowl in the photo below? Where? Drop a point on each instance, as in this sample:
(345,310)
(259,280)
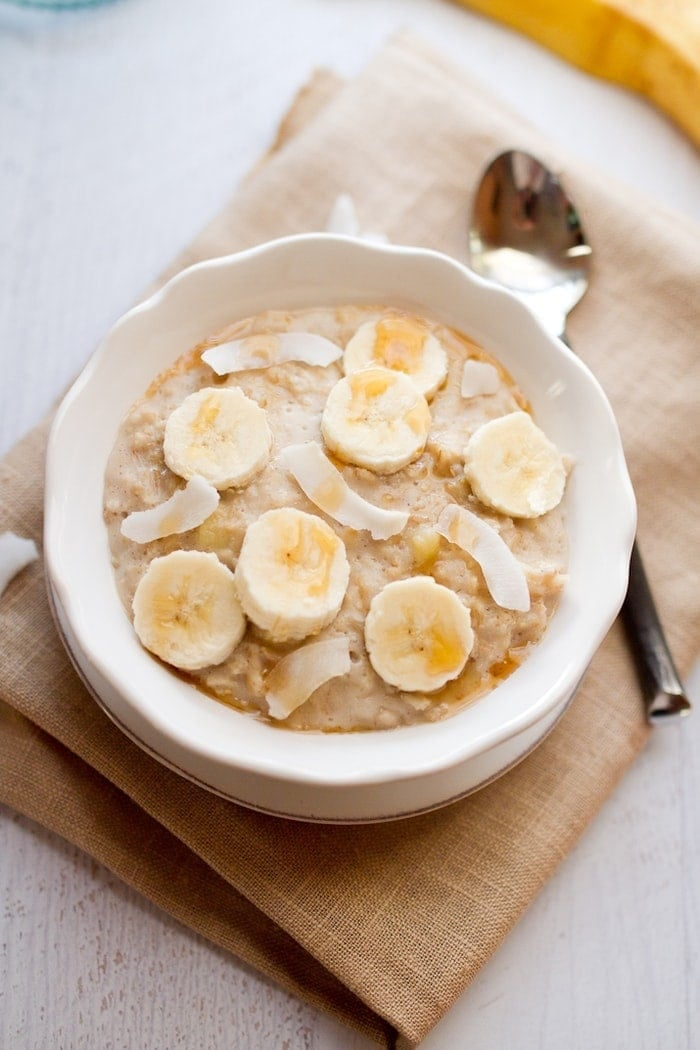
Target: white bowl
(312,776)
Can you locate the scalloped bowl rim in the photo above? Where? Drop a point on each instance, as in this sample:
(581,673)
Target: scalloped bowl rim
(194,722)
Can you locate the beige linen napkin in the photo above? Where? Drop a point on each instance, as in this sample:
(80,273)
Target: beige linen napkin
(385,926)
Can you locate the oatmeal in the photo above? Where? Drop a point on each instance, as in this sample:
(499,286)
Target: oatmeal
(343,451)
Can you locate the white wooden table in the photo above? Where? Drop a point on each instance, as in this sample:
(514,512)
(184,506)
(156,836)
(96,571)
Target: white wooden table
(122,130)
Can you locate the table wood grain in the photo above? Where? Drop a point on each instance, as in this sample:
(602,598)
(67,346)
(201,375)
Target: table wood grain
(122,130)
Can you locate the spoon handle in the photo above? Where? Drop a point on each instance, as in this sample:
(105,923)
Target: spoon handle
(662,688)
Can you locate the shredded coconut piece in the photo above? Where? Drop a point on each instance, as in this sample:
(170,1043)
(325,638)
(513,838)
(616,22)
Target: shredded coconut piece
(503,573)
(186,509)
(296,676)
(479,377)
(327,488)
(16,552)
(262,351)
(343,220)
(343,217)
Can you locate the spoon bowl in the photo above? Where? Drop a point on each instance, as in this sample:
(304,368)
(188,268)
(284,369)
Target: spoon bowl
(526,235)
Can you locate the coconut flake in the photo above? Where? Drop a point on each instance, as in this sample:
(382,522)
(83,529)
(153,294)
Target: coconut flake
(296,676)
(343,217)
(327,488)
(262,351)
(16,552)
(185,510)
(343,220)
(503,573)
(374,237)
(479,377)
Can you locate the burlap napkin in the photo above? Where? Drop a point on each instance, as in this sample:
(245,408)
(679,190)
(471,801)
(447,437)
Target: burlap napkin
(385,925)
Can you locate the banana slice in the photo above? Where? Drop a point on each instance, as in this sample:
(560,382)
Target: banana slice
(186,610)
(327,488)
(478,378)
(513,467)
(186,509)
(503,574)
(418,634)
(424,543)
(262,351)
(220,434)
(376,418)
(403,345)
(298,675)
(292,574)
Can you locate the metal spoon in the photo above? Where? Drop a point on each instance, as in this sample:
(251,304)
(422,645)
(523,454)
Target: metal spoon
(526,236)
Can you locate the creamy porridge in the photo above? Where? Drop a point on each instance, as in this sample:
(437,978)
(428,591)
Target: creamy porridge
(389,462)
